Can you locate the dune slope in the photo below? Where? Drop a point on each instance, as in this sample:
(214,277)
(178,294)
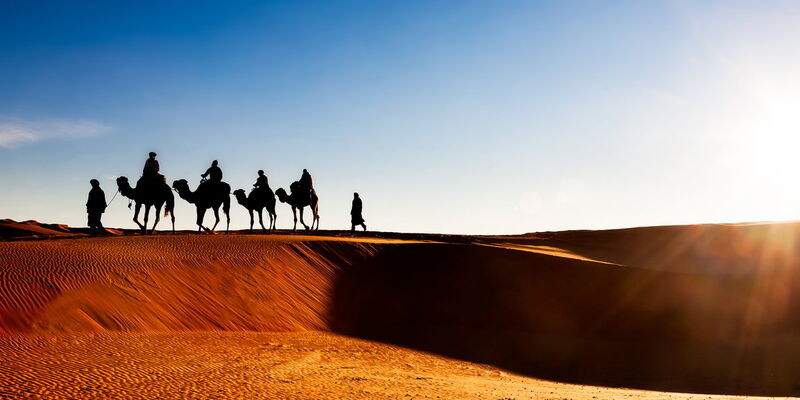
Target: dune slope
(170,283)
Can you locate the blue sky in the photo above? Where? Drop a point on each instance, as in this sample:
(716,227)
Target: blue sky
(447,116)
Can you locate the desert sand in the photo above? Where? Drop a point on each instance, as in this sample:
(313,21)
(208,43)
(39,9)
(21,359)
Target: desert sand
(700,311)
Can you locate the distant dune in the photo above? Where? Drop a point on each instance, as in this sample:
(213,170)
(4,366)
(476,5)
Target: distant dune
(704,309)
(11,228)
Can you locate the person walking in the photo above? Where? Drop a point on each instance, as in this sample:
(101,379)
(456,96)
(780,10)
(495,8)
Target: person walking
(96,206)
(355,214)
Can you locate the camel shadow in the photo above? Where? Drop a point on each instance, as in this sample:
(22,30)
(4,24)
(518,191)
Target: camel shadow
(570,320)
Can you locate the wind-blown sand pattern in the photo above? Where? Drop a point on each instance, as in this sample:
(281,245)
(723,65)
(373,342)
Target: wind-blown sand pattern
(171,283)
(705,309)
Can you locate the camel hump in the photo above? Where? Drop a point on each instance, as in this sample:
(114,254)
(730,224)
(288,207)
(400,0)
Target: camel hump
(152,182)
(212,188)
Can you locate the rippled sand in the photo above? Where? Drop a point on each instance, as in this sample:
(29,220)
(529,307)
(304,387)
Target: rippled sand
(295,365)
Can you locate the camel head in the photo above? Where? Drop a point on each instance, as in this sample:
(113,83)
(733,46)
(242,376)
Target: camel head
(182,186)
(122,182)
(124,187)
(240,196)
(282,196)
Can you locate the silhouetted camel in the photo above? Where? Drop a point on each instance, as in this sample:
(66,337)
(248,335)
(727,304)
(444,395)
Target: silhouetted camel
(257,200)
(297,200)
(155,195)
(205,197)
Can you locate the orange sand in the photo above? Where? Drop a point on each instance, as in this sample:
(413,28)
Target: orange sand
(699,308)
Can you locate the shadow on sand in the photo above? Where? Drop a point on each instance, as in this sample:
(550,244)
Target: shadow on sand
(575,321)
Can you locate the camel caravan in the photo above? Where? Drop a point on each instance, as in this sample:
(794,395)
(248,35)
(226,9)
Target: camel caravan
(152,190)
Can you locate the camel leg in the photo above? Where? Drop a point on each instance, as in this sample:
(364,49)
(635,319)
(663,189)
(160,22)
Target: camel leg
(172,215)
(301,219)
(294,213)
(146,214)
(216,215)
(273,217)
(227,219)
(261,219)
(251,219)
(136,215)
(201,212)
(158,218)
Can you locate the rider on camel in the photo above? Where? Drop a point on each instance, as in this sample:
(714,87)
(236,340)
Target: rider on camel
(305,184)
(150,172)
(151,166)
(213,173)
(261,181)
(305,181)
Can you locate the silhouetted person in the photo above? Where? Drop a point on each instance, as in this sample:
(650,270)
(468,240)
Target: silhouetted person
(305,184)
(96,205)
(261,181)
(151,167)
(214,173)
(355,214)
(306,181)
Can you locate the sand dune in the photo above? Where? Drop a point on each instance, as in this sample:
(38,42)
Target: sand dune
(11,228)
(171,283)
(706,309)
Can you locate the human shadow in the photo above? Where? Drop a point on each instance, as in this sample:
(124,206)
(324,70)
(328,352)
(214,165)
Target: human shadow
(573,320)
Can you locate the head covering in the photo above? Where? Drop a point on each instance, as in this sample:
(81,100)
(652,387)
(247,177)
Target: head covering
(94,182)
(261,172)
(214,163)
(152,154)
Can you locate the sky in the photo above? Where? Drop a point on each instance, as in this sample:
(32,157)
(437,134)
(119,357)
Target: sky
(478,117)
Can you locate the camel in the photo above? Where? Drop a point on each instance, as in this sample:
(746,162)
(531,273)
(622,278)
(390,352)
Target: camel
(149,195)
(207,196)
(296,200)
(257,200)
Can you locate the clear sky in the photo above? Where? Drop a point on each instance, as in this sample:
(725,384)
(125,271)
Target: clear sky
(446,116)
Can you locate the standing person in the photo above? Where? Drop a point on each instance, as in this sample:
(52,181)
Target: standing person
(96,205)
(214,173)
(261,181)
(355,214)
